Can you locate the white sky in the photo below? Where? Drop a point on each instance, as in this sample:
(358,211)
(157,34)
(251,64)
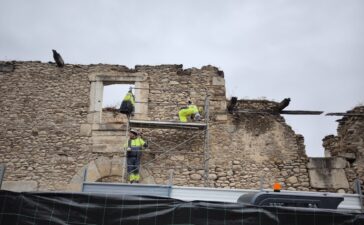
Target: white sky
(311,51)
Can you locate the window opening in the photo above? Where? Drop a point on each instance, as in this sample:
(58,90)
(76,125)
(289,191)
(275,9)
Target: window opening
(112,97)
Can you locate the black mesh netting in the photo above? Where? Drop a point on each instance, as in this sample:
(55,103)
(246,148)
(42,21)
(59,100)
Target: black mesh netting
(82,208)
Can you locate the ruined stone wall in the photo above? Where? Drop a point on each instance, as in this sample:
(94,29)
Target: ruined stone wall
(179,153)
(52,128)
(42,107)
(348,145)
(243,150)
(262,146)
(51,131)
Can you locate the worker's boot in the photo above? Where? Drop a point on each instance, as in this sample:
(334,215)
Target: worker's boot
(136,178)
(131,178)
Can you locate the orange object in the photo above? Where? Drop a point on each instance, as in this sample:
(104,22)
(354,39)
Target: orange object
(277,187)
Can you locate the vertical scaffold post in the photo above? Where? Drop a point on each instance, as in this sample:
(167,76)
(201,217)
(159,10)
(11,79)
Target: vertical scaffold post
(124,175)
(207,143)
(2,172)
(357,188)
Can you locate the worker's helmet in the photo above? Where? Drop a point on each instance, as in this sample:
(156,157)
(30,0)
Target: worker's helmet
(130,89)
(135,132)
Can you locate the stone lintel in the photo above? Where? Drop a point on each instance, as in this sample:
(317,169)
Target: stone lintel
(117,77)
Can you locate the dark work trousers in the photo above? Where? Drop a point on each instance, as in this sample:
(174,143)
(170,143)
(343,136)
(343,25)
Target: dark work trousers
(126,108)
(133,161)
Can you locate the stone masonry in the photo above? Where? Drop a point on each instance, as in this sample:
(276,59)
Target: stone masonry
(348,145)
(53,128)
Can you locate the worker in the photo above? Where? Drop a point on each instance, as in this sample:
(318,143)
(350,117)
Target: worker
(191,111)
(134,148)
(128,104)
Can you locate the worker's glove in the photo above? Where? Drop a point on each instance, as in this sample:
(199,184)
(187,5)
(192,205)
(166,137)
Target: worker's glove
(128,149)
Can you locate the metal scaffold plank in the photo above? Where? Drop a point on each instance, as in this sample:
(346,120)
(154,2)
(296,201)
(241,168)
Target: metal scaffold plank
(166,124)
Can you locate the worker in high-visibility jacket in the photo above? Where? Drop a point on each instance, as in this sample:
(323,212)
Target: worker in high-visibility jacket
(134,148)
(191,111)
(128,104)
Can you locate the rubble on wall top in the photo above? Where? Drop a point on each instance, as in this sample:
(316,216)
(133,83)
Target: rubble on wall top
(178,68)
(6,67)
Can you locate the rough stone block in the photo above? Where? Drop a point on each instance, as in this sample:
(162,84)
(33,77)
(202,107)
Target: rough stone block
(328,178)
(104,166)
(92,172)
(117,166)
(109,127)
(6,67)
(140,116)
(221,117)
(74,187)
(77,179)
(107,148)
(292,180)
(85,130)
(195,176)
(108,133)
(19,186)
(329,163)
(220,81)
(347,155)
(108,140)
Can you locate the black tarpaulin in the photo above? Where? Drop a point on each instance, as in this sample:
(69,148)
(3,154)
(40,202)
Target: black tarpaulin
(103,209)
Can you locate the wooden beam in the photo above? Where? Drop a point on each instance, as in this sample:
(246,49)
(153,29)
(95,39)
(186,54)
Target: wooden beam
(288,112)
(301,112)
(344,114)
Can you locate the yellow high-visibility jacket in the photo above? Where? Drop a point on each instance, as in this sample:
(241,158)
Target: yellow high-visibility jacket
(129,97)
(187,112)
(135,143)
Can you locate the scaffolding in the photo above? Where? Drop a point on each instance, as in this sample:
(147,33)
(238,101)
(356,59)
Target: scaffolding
(198,127)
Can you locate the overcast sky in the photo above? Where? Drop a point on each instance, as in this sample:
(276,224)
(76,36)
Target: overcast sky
(309,50)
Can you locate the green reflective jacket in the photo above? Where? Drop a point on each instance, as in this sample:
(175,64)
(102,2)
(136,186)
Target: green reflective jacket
(129,97)
(137,142)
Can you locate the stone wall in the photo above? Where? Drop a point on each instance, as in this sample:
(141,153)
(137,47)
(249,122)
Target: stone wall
(53,127)
(348,145)
(42,107)
(250,146)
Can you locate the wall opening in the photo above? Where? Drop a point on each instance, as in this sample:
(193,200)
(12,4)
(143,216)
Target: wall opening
(113,95)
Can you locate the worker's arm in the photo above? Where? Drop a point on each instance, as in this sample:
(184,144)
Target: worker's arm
(145,145)
(126,147)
